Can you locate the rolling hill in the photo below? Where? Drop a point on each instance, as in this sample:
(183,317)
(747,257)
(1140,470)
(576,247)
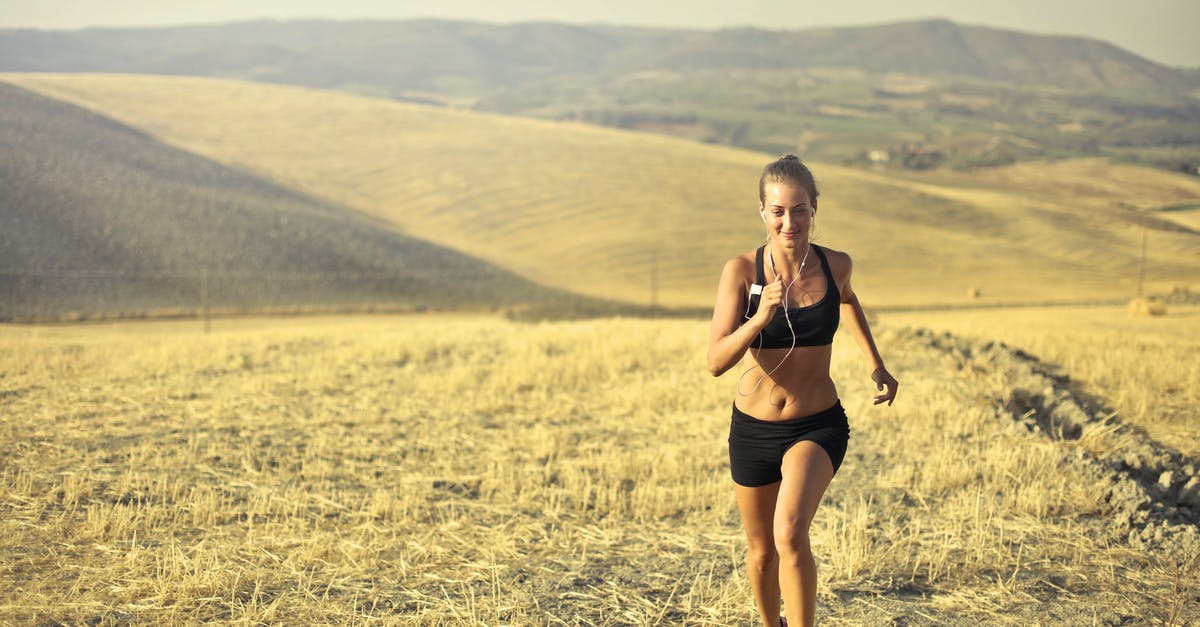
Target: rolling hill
(97,218)
(640,217)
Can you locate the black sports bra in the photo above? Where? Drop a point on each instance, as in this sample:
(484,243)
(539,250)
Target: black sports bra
(814,324)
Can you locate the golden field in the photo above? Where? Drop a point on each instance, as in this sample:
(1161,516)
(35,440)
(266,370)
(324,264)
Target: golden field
(451,469)
(642,218)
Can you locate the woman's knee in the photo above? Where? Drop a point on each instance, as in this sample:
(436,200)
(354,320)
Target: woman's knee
(761,556)
(791,537)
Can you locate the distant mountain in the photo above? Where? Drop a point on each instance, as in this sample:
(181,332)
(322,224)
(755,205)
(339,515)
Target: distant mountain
(395,56)
(97,218)
(917,95)
(930,47)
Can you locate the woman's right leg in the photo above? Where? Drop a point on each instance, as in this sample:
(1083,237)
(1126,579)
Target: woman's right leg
(757,507)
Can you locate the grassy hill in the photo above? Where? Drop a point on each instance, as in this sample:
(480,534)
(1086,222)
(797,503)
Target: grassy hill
(640,217)
(98,218)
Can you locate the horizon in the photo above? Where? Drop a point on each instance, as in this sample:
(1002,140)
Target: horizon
(1158,30)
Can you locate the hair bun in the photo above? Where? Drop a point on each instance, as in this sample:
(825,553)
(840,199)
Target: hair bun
(788,169)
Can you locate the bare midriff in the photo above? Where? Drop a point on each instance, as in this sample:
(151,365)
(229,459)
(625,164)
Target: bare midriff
(800,387)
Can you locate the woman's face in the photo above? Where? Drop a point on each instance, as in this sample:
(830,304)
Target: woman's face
(788,212)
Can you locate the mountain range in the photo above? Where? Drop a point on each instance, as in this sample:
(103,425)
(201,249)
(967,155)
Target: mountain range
(913,95)
(427,54)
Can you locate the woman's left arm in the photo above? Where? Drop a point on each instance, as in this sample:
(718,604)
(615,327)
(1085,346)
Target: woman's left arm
(856,322)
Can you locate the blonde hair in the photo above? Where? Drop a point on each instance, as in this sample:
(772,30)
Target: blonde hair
(788,169)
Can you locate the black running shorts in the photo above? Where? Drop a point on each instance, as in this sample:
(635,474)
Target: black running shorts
(756,447)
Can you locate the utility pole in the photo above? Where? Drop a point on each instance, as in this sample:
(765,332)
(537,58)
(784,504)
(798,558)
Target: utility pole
(654,277)
(1142,262)
(204,299)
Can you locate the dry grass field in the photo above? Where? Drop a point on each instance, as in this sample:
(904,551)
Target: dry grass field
(640,217)
(449,469)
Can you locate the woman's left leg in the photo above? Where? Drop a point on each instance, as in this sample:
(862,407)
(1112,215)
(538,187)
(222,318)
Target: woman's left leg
(807,471)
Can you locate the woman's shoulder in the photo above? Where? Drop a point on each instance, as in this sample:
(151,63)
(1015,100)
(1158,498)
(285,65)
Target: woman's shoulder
(839,262)
(740,269)
(742,263)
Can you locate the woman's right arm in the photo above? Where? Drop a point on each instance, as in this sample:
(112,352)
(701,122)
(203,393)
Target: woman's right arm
(728,337)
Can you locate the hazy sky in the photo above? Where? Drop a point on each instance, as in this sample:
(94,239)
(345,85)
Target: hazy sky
(1162,30)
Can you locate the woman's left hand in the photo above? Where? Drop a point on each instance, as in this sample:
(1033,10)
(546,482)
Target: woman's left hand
(884,379)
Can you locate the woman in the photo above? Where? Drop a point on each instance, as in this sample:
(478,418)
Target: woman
(789,432)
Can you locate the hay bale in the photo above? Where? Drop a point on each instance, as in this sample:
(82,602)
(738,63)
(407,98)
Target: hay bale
(1147,306)
(973,293)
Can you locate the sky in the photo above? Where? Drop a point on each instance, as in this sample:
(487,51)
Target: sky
(1160,30)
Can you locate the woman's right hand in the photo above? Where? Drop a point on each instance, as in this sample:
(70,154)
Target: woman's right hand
(770,300)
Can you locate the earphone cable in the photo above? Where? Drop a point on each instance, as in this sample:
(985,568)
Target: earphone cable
(786,316)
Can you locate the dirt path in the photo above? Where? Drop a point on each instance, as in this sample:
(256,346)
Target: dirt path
(1155,486)
(1132,556)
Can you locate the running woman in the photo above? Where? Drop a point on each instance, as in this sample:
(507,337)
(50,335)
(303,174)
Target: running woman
(788,433)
